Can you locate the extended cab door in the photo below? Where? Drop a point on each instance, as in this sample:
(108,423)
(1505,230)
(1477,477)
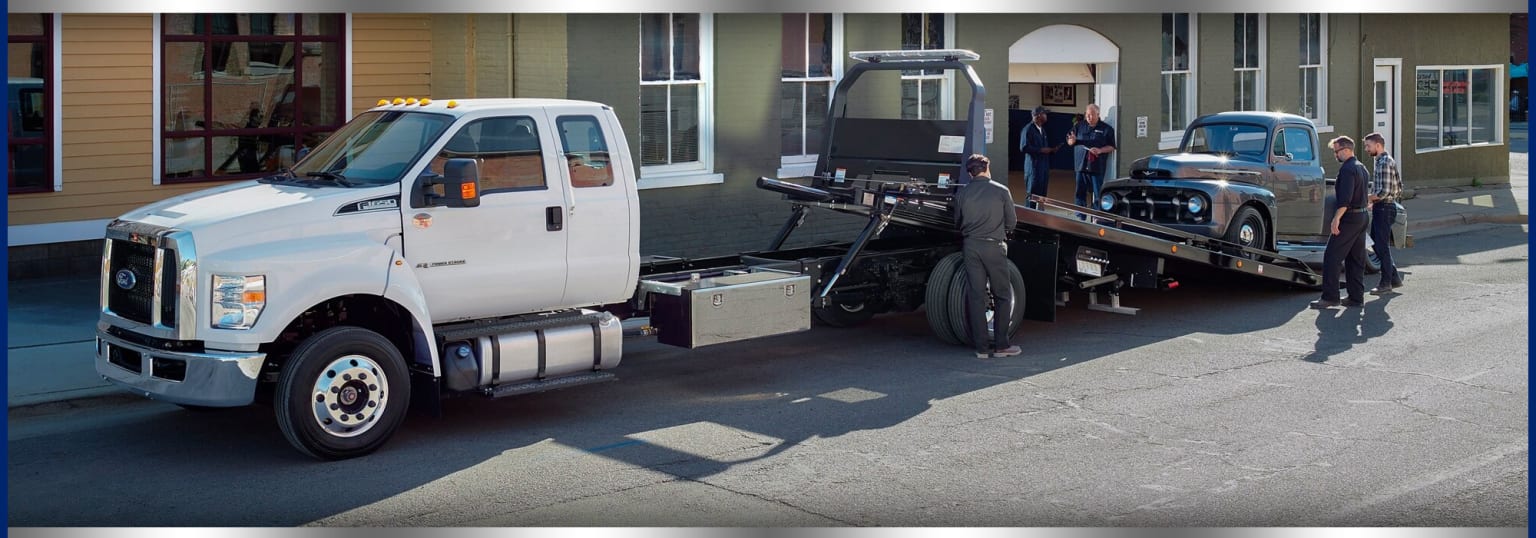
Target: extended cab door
(506,256)
(1297,181)
(602,213)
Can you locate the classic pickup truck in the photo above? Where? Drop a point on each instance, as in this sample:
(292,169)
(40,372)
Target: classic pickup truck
(1252,178)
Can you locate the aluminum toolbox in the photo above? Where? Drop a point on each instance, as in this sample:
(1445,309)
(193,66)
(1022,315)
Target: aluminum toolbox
(696,310)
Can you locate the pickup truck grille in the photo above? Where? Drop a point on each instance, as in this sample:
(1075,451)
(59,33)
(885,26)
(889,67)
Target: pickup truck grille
(1158,205)
(133,264)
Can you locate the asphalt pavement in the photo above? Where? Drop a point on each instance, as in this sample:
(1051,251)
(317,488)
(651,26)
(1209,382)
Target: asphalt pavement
(51,323)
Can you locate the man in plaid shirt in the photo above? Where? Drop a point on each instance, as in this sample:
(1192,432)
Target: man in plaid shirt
(1385,188)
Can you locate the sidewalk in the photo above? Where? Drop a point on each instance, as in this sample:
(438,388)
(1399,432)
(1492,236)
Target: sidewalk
(51,323)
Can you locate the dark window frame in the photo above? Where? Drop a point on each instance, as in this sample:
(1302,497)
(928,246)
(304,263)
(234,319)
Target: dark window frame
(46,140)
(209,39)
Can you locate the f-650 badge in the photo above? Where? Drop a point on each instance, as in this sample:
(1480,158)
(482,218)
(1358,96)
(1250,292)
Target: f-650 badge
(429,265)
(386,203)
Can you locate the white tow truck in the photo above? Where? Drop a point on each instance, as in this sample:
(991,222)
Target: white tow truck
(489,247)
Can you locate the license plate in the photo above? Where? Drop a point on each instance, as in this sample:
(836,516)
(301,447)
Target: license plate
(1089,268)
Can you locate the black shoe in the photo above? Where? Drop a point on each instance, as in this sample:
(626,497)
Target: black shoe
(1321,304)
(1351,303)
(1382,290)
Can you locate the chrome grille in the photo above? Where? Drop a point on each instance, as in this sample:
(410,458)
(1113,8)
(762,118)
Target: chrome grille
(132,280)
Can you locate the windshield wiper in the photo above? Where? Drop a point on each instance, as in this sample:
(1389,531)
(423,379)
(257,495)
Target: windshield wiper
(335,177)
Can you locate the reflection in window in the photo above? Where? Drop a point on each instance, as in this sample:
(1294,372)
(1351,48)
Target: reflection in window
(805,86)
(1178,72)
(247,94)
(672,88)
(1456,107)
(1248,70)
(1314,61)
(586,151)
(506,151)
(29,76)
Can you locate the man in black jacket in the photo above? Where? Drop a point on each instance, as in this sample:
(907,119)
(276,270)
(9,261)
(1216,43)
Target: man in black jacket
(1347,244)
(984,214)
(1037,154)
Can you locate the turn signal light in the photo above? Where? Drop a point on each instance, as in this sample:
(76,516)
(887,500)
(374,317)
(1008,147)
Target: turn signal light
(467,191)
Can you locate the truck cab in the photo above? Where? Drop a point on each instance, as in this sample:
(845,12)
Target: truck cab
(330,285)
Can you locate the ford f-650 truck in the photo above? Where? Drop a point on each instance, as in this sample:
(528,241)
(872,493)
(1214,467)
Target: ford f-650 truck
(489,247)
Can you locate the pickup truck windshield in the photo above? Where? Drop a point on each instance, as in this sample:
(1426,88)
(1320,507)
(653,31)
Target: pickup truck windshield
(368,150)
(1234,140)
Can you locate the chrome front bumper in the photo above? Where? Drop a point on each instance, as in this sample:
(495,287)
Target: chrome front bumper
(213,379)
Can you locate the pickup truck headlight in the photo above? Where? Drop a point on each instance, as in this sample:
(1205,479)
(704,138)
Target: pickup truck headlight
(1107,202)
(1196,204)
(237,300)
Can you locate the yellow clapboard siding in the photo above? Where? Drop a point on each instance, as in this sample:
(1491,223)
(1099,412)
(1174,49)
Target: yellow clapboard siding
(140,62)
(107,174)
(108,21)
(100,35)
(129,147)
(141,124)
(128,200)
(385,69)
(381,21)
(105,73)
(81,48)
(143,110)
(407,79)
(107,187)
(388,46)
(72,99)
(108,160)
(98,86)
(88,138)
(408,57)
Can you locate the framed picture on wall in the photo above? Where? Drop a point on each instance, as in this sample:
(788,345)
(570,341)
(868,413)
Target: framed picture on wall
(1058,95)
(1013,102)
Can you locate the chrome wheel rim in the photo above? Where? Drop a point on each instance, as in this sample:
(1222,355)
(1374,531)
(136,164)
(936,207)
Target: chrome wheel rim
(1246,234)
(349,396)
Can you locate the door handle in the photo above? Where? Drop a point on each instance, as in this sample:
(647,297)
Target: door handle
(554,218)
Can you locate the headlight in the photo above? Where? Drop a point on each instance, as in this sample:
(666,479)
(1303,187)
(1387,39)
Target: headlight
(1107,202)
(1196,204)
(238,300)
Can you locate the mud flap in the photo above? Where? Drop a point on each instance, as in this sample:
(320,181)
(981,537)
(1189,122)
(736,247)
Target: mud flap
(1036,259)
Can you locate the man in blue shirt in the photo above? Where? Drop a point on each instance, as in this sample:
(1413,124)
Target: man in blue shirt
(1096,140)
(1037,155)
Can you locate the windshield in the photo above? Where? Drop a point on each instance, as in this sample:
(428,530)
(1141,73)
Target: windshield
(374,148)
(1235,140)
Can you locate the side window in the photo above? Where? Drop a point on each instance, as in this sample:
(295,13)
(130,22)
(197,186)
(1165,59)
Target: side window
(507,150)
(1280,143)
(586,151)
(1299,143)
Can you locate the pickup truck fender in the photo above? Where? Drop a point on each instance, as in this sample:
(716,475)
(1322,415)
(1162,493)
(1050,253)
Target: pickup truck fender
(352,266)
(1236,195)
(403,289)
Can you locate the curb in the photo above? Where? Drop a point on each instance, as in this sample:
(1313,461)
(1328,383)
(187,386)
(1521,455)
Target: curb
(1460,219)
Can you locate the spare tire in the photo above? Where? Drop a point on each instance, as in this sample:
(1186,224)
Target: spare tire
(937,297)
(958,293)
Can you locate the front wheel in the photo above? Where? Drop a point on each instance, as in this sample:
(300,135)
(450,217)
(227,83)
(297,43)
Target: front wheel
(342,393)
(1247,229)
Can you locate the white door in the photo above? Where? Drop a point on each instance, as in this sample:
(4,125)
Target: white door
(601,226)
(1386,105)
(506,256)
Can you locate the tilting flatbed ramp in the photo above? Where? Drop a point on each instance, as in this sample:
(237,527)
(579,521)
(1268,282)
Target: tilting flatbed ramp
(906,204)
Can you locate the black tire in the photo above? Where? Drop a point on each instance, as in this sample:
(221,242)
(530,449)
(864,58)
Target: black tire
(374,391)
(959,292)
(936,298)
(1247,229)
(843,315)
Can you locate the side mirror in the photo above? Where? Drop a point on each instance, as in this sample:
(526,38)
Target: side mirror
(460,185)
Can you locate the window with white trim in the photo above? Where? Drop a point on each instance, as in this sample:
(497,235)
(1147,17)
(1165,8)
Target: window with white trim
(1457,106)
(1314,68)
(675,93)
(927,93)
(1248,61)
(810,65)
(1178,75)
(30,142)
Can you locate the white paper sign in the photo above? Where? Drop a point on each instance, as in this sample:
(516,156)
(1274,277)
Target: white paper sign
(1141,126)
(951,144)
(987,121)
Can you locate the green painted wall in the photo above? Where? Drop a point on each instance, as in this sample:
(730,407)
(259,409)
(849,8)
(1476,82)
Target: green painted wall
(1417,39)
(540,42)
(472,55)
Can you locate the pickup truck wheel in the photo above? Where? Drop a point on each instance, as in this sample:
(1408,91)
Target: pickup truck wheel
(342,393)
(937,297)
(843,314)
(1372,261)
(957,296)
(1247,229)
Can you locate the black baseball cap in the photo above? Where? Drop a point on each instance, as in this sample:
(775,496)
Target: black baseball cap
(1040,110)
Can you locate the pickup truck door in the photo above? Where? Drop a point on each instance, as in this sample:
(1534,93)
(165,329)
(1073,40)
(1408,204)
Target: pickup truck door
(506,256)
(602,228)
(1297,181)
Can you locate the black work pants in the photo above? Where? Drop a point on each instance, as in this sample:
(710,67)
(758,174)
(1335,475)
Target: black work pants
(1348,249)
(987,262)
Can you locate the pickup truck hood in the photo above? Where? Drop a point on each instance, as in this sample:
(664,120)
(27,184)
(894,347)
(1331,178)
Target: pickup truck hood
(233,214)
(1186,166)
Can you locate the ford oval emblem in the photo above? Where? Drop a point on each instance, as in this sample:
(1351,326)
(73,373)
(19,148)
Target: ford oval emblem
(125,279)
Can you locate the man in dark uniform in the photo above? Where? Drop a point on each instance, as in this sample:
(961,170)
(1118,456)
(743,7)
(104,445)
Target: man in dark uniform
(1347,244)
(1094,141)
(984,214)
(1037,154)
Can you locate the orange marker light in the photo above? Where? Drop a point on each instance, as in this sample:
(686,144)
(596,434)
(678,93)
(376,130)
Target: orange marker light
(425,102)
(1239,264)
(410,101)
(383,102)
(453,104)
(467,191)
(1101,232)
(399,101)
(254,297)
(1174,248)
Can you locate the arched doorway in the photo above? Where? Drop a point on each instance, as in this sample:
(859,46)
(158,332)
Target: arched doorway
(1063,67)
